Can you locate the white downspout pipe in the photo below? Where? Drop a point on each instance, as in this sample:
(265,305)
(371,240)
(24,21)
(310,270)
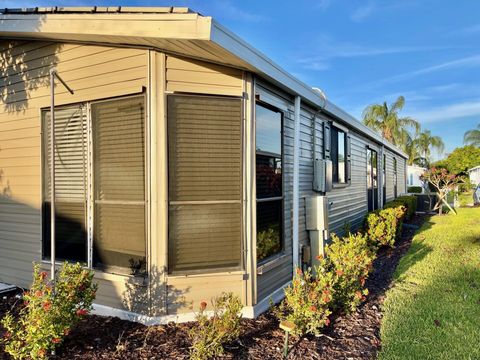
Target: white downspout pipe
(296,183)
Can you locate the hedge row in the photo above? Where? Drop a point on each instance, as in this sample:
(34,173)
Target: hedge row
(385,225)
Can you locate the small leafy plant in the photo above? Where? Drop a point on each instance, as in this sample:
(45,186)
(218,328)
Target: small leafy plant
(383,226)
(307,301)
(49,313)
(212,332)
(349,260)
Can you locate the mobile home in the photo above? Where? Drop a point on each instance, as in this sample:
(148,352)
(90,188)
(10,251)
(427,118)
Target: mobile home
(187,163)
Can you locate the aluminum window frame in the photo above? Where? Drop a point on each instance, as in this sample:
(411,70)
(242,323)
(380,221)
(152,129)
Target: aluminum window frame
(90,177)
(242,262)
(282,251)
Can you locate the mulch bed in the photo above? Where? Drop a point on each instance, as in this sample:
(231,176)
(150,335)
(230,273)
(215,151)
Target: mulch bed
(353,336)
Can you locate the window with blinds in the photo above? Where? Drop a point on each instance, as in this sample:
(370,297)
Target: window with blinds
(70,183)
(119,182)
(109,161)
(205,182)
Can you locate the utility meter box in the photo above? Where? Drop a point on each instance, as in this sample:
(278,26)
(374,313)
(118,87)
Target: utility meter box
(322,176)
(317,225)
(317,212)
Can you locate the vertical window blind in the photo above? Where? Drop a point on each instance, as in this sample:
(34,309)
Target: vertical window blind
(205,182)
(112,161)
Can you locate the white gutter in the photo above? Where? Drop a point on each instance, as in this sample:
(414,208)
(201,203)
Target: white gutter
(296,183)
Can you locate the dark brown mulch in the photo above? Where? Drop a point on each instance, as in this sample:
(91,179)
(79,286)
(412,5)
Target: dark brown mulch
(353,336)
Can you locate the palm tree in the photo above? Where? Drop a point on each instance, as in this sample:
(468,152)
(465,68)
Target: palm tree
(385,119)
(424,142)
(472,137)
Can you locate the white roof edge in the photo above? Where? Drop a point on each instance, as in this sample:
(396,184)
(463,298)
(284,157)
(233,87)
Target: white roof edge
(474,168)
(265,66)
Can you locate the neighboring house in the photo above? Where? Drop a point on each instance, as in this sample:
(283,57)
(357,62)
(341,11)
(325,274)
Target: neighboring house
(413,176)
(182,148)
(474,174)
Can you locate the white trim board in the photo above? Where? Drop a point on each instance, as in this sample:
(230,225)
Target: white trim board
(249,312)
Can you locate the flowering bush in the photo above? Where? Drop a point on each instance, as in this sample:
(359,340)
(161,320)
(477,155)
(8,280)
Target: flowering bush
(46,318)
(307,301)
(212,332)
(349,260)
(443,182)
(383,226)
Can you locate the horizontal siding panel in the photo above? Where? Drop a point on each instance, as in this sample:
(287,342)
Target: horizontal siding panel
(94,72)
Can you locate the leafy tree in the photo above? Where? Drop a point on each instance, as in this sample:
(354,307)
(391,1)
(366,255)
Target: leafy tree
(443,182)
(386,120)
(461,159)
(472,137)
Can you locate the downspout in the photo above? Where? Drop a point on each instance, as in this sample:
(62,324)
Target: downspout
(296,183)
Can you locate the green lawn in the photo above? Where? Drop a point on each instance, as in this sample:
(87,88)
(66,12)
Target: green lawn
(433,310)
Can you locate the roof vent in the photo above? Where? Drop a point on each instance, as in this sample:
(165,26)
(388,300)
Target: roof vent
(322,95)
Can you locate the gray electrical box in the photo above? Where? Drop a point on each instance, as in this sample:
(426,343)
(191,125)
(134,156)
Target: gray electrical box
(317,224)
(322,176)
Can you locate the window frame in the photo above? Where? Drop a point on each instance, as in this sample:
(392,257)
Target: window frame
(90,179)
(204,271)
(334,128)
(272,258)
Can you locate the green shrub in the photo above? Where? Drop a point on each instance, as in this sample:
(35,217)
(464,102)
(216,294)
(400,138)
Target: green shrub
(384,226)
(307,301)
(212,332)
(45,319)
(410,202)
(267,242)
(349,260)
(414,189)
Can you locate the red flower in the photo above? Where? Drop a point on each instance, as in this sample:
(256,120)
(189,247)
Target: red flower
(299,271)
(38,293)
(358,294)
(327,322)
(82,312)
(319,257)
(56,340)
(313,308)
(42,352)
(362,281)
(66,331)
(47,305)
(7,335)
(339,272)
(203,305)
(43,275)
(326,292)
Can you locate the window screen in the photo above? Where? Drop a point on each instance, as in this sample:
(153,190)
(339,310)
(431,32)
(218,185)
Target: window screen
(70,183)
(269,181)
(205,182)
(119,181)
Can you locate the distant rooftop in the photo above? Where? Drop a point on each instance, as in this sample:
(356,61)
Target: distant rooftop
(98,9)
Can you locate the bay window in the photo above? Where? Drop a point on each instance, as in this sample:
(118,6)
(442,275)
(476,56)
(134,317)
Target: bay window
(99,183)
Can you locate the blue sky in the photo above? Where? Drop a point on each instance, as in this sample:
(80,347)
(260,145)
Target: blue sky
(363,51)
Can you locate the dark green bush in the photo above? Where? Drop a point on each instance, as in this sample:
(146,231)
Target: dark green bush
(409,201)
(414,189)
(384,226)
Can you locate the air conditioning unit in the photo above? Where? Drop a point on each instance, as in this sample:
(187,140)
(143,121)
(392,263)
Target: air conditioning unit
(322,175)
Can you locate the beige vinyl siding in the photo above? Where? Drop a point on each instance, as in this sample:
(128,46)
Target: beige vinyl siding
(274,278)
(94,72)
(194,76)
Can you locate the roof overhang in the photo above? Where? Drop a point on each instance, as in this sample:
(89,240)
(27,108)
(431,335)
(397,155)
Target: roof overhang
(175,30)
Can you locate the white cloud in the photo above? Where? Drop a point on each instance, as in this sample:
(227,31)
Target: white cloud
(328,49)
(363,11)
(469,61)
(448,112)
